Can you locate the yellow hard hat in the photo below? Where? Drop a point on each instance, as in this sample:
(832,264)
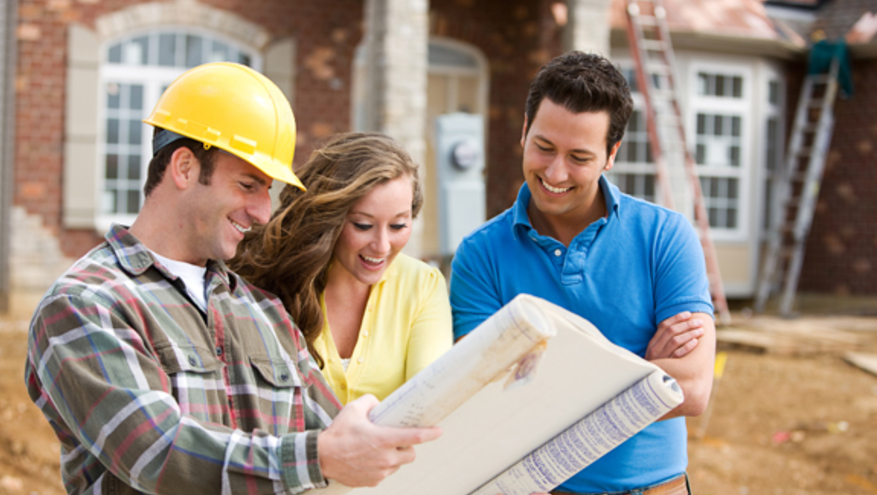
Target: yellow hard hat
(236,109)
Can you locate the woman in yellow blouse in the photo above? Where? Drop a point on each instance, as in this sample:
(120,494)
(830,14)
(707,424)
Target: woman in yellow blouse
(372,316)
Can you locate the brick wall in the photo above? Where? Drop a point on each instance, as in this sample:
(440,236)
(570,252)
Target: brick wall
(326,32)
(518,37)
(841,255)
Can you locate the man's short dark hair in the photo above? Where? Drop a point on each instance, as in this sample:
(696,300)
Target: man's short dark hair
(162,157)
(583,82)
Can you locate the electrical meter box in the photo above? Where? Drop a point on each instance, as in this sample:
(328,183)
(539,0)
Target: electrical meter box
(459,140)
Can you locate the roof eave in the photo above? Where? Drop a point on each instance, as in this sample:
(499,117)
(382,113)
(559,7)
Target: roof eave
(725,43)
(863,50)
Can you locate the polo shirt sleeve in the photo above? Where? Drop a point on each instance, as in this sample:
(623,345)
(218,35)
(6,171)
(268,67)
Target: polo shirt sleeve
(681,282)
(474,293)
(430,335)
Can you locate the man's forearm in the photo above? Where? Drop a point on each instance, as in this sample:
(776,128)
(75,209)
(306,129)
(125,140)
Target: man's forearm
(694,371)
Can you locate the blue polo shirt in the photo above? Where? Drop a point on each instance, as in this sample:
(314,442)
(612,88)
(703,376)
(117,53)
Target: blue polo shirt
(625,273)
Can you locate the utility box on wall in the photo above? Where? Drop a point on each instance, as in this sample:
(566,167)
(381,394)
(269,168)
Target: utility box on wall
(459,147)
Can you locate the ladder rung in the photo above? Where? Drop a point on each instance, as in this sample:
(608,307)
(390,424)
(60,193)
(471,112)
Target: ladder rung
(647,20)
(815,103)
(808,127)
(658,67)
(654,45)
(818,78)
(663,95)
(804,151)
(793,202)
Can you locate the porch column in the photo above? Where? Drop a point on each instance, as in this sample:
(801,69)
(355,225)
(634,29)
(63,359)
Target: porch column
(8,21)
(396,39)
(587,27)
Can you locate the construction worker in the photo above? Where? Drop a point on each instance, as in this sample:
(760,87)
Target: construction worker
(634,269)
(163,372)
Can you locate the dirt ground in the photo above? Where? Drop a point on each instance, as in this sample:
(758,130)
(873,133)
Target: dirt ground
(782,423)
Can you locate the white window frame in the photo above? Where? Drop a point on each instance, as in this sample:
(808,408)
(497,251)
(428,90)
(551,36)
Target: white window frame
(153,78)
(639,169)
(728,106)
(770,210)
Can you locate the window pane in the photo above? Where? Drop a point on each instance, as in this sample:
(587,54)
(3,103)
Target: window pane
(734,155)
(700,154)
(136,96)
(630,76)
(773,92)
(112,169)
(732,188)
(717,125)
(714,217)
(772,145)
(244,59)
(632,155)
(219,53)
(193,51)
(112,131)
(720,85)
(167,49)
(701,124)
(115,55)
(702,84)
(735,126)
(633,125)
(134,131)
(108,201)
(738,87)
(112,95)
(134,167)
(731,219)
(133,201)
(650,186)
(136,51)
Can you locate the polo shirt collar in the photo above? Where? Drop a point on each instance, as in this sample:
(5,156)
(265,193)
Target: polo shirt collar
(611,194)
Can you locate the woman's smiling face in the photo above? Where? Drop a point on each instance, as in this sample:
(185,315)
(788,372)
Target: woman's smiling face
(377,227)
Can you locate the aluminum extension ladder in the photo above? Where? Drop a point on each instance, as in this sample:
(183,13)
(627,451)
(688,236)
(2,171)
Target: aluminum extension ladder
(676,172)
(799,188)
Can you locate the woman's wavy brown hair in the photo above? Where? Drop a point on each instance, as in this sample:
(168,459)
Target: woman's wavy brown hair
(290,255)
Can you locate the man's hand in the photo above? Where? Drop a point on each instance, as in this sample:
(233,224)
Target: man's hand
(676,337)
(356,452)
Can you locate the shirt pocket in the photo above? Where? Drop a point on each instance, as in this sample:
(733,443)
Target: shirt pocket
(277,372)
(196,379)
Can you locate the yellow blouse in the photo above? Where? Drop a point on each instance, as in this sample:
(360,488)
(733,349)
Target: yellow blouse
(407,325)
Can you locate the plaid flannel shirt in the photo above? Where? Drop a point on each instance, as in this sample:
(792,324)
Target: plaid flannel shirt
(148,394)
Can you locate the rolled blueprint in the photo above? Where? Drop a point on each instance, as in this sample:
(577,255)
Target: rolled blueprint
(589,439)
(514,334)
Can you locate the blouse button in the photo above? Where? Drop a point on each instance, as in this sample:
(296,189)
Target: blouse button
(365,333)
(558,252)
(192,361)
(359,360)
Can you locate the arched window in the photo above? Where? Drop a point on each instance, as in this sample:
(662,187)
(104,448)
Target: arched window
(134,71)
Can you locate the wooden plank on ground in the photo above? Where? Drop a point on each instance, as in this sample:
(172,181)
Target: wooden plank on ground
(763,341)
(866,361)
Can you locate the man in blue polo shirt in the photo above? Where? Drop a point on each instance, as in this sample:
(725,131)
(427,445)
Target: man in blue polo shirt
(634,269)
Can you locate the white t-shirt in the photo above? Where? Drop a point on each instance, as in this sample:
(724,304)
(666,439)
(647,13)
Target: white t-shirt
(192,275)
